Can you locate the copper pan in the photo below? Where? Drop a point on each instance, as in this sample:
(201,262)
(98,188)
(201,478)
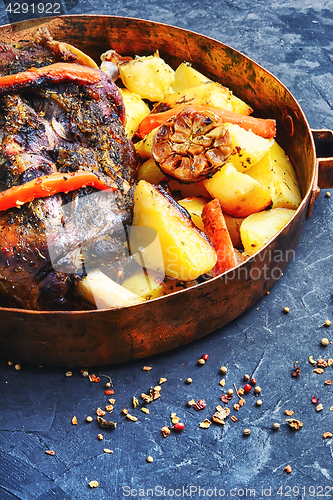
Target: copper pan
(111,336)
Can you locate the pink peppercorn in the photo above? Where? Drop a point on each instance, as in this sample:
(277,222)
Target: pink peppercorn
(205,357)
(178,427)
(247,388)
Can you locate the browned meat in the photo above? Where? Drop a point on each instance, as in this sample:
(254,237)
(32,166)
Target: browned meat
(46,245)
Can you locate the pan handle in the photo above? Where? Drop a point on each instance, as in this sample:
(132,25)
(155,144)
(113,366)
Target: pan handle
(323,140)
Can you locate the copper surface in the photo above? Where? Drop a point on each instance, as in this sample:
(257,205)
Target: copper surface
(111,336)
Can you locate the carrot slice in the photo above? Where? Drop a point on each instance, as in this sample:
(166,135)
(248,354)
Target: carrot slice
(260,126)
(55,73)
(217,231)
(47,185)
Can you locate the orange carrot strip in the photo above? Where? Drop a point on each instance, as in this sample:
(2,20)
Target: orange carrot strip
(260,126)
(55,73)
(217,231)
(47,185)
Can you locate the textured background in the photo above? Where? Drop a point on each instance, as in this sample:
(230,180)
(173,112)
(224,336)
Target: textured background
(294,41)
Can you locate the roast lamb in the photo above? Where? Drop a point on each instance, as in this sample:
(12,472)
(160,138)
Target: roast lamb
(57,116)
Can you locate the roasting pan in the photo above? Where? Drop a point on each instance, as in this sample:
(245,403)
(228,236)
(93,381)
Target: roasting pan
(100,337)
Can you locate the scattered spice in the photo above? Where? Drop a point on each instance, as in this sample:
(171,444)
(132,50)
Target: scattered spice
(145,410)
(328,381)
(109,392)
(253,381)
(247,388)
(311,360)
(318,370)
(106,423)
(257,389)
(233,418)
(93,378)
(178,427)
(326,323)
(327,194)
(100,412)
(165,431)
(93,484)
(68,374)
(247,432)
(18,366)
(201,361)
(223,370)
(236,407)
(329,361)
(319,407)
(225,398)
(327,435)
(191,402)
(314,400)
(149,459)
(246,377)
(324,341)
(124,411)
(259,402)
(241,402)
(200,405)
(230,392)
(222,382)
(276,426)
(74,420)
(205,424)
(109,408)
(289,412)
(240,391)
(288,469)
(10,363)
(162,380)
(85,373)
(147,368)
(131,417)
(112,401)
(286,310)
(100,437)
(135,402)
(89,419)
(107,450)
(189,380)
(294,424)
(49,452)
(110,383)
(205,357)
(321,363)
(220,415)
(296,372)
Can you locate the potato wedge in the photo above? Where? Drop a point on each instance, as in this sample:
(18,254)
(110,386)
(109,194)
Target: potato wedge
(238,194)
(187,252)
(257,229)
(233,225)
(135,110)
(150,285)
(145,283)
(186,77)
(143,147)
(149,77)
(150,172)
(194,205)
(249,148)
(207,94)
(276,174)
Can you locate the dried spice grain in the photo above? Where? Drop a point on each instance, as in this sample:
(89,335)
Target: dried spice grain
(49,452)
(149,459)
(100,412)
(288,469)
(107,450)
(247,432)
(106,423)
(147,368)
(324,341)
(318,370)
(200,405)
(233,418)
(327,435)
(162,380)
(93,484)
(224,370)
(319,407)
(276,426)
(74,420)
(205,424)
(145,410)
(131,417)
(294,423)
(165,431)
(220,415)
(289,412)
(100,437)
(89,419)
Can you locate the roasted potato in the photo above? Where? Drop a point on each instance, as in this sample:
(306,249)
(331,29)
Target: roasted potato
(257,229)
(150,172)
(249,148)
(187,252)
(135,110)
(208,94)
(149,77)
(238,194)
(276,174)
